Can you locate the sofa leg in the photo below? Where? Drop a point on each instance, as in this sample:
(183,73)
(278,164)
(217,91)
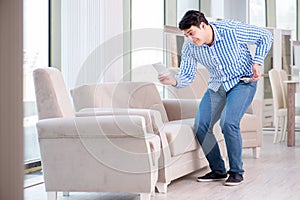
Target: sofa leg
(162,187)
(51,195)
(256,152)
(145,196)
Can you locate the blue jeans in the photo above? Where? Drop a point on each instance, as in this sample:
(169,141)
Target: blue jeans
(229,107)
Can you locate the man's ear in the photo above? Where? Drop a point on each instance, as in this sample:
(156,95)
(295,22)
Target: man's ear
(202,26)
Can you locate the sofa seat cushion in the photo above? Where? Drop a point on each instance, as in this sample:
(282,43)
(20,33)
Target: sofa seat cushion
(180,136)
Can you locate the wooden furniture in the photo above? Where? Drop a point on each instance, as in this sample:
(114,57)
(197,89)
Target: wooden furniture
(295,62)
(291,90)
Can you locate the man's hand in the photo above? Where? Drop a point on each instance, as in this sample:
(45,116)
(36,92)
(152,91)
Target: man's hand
(167,80)
(256,72)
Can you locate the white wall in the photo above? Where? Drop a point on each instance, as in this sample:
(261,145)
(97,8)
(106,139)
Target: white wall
(92,41)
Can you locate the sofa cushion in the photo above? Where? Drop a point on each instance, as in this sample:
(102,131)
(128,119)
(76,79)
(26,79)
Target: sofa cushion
(119,95)
(180,136)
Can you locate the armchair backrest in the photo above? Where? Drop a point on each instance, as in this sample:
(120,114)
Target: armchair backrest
(52,98)
(119,95)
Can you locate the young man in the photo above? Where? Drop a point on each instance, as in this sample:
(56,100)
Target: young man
(222,47)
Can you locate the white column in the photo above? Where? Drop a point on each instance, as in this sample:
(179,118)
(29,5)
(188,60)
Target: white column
(271,13)
(170,12)
(55,43)
(92,41)
(298,21)
(11,106)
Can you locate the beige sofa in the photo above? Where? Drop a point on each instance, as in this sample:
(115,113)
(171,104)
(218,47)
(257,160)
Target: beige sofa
(112,153)
(251,123)
(172,120)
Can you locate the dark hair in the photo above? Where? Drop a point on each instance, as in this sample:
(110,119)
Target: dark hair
(190,18)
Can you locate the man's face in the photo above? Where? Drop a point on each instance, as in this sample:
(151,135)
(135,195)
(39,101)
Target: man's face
(197,35)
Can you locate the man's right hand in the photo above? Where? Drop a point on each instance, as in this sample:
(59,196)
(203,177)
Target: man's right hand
(167,79)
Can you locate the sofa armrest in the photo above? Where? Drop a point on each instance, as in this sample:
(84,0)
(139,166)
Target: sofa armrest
(152,118)
(181,108)
(257,107)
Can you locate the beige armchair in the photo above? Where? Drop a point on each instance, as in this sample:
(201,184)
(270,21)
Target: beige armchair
(172,120)
(251,123)
(92,153)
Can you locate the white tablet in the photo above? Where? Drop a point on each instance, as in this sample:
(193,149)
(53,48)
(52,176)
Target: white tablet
(160,68)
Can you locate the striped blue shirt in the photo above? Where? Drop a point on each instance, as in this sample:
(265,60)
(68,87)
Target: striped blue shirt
(228,58)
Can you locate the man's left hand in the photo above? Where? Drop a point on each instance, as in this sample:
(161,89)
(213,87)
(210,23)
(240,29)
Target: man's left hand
(256,72)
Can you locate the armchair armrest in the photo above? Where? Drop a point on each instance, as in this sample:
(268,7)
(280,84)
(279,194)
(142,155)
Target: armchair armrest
(181,108)
(99,126)
(104,138)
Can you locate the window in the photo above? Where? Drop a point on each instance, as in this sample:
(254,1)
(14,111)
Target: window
(147,23)
(286,14)
(257,12)
(184,5)
(36,49)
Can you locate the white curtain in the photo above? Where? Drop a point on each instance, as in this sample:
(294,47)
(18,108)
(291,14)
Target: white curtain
(92,41)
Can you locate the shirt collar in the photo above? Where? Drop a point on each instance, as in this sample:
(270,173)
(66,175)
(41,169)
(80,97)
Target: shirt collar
(217,35)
